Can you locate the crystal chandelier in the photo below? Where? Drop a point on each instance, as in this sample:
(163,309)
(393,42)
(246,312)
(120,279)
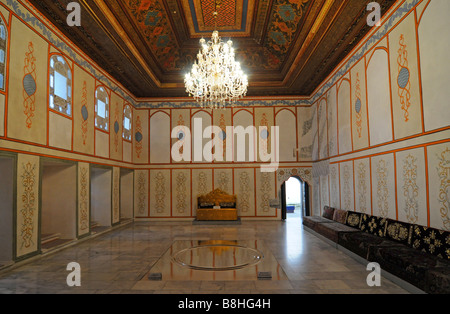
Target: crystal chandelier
(216,79)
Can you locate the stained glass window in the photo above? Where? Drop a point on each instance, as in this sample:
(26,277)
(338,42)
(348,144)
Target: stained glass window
(127,115)
(3,43)
(102,109)
(60,85)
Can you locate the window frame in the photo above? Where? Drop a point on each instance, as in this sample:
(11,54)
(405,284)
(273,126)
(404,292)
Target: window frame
(57,64)
(102,123)
(4,47)
(127,133)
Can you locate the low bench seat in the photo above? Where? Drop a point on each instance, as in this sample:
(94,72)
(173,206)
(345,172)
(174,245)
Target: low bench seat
(412,266)
(361,242)
(332,230)
(417,254)
(312,221)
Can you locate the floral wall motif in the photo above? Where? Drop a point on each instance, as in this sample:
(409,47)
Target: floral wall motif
(245,194)
(382,188)
(362,178)
(181,193)
(27,204)
(444,188)
(399,127)
(29,85)
(347,186)
(410,189)
(83,198)
(439,185)
(141,193)
(116,195)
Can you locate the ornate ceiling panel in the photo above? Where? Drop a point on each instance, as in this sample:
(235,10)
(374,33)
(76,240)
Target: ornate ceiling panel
(287,47)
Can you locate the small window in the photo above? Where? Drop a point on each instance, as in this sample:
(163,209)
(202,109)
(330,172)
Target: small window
(60,85)
(127,123)
(101,109)
(3,49)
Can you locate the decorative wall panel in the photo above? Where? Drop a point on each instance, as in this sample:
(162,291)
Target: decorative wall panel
(439,185)
(202,184)
(344,119)
(360,129)
(362,186)
(244,186)
(379,98)
(412,186)
(160,193)
(265,191)
(29,59)
(332,121)
(434,65)
(83,198)
(83,111)
(307,128)
(141,137)
(323,128)
(116,131)
(141,193)
(181,193)
(335,200)
(405,88)
(116,195)
(383,186)
(223,179)
(346,183)
(287,122)
(27,205)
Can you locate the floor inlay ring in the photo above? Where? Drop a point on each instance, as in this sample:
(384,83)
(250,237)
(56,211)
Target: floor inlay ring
(219,257)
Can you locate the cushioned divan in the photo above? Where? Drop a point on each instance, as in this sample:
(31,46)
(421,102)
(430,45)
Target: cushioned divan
(411,265)
(312,221)
(332,230)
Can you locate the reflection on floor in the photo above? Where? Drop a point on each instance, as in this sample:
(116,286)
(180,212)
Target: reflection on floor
(225,260)
(120,261)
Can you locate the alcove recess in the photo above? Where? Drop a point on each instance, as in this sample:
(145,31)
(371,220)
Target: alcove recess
(7,183)
(59,203)
(101,198)
(126,194)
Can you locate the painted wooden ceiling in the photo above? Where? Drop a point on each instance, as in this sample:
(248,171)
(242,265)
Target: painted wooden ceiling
(287,47)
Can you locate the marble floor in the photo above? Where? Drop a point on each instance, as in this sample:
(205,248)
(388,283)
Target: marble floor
(120,261)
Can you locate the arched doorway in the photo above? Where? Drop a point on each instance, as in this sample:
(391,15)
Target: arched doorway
(294,198)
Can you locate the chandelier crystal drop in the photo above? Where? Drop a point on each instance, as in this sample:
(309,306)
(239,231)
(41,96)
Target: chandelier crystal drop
(216,78)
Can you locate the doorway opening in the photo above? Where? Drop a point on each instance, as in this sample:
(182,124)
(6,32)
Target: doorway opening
(295,199)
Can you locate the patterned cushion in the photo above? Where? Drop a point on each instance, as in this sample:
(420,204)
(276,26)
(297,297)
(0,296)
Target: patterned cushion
(340,216)
(328,212)
(373,225)
(227,205)
(432,241)
(399,231)
(353,219)
(206,205)
(332,230)
(361,242)
(312,221)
